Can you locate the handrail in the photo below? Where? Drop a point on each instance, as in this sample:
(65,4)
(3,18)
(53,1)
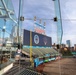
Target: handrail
(5,64)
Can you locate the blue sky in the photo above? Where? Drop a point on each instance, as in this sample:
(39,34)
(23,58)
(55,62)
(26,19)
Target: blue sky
(45,9)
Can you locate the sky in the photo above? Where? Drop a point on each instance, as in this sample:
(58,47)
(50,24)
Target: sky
(45,9)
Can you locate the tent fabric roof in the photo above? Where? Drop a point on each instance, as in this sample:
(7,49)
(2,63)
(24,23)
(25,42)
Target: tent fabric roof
(41,51)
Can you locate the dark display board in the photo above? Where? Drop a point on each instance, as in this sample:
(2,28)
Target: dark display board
(37,39)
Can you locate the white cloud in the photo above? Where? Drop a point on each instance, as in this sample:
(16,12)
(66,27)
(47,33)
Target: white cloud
(70,11)
(45,9)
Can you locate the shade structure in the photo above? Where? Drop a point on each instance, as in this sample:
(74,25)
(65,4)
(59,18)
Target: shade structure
(41,51)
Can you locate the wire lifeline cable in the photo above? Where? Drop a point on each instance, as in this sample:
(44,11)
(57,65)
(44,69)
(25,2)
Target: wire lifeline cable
(50,19)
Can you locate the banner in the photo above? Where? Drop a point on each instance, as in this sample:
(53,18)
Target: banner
(37,39)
